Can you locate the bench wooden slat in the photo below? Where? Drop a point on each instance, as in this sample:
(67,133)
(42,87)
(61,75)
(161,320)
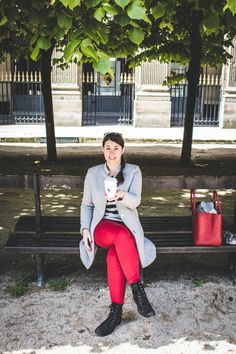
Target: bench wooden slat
(65,244)
(43,250)
(197,249)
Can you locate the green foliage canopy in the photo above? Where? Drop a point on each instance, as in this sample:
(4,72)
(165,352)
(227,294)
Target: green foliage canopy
(167,37)
(83,30)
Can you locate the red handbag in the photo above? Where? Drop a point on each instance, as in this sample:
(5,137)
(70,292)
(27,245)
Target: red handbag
(206,227)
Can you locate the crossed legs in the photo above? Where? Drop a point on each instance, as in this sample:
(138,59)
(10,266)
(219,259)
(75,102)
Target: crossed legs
(122,257)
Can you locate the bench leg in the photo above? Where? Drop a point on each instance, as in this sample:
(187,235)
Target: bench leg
(232,266)
(40,269)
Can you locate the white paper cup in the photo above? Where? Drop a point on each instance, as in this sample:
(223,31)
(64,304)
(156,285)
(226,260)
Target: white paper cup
(110,184)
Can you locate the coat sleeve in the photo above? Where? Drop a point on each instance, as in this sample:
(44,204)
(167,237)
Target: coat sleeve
(132,197)
(86,209)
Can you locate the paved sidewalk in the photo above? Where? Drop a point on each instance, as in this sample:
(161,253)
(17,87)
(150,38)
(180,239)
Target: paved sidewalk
(130,132)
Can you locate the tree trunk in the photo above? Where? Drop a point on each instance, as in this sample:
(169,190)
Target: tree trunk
(193,75)
(46,69)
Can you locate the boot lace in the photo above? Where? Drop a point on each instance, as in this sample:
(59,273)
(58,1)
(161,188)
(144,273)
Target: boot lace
(114,315)
(140,293)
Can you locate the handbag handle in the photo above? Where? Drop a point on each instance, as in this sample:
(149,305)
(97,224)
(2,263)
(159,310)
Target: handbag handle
(216,201)
(193,201)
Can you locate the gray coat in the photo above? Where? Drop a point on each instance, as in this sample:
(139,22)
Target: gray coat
(94,204)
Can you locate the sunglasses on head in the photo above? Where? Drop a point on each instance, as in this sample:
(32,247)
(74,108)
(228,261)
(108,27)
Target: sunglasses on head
(113,134)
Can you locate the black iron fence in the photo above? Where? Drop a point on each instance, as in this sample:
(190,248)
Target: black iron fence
(89,103)
(206,111)
(21,100)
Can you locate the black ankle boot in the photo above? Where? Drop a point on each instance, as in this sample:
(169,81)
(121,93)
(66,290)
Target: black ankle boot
(144,307)
(113,319)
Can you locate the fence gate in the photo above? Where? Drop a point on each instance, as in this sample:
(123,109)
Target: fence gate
(206,112)
(21,100)
(108,100)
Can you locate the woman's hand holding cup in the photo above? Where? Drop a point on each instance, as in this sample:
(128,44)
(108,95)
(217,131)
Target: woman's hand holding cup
(110,184)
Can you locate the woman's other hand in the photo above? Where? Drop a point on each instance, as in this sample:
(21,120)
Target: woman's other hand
(87,239)
(119,196)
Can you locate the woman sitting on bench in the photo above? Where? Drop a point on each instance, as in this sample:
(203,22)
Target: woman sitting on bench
(109,219)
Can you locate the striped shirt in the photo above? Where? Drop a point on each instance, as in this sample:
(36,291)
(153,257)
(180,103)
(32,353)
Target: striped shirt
(111,211)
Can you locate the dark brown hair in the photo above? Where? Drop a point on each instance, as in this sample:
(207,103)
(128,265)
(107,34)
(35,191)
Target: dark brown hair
(118,139)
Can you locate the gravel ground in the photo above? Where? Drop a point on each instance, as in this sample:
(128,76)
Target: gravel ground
(195,313)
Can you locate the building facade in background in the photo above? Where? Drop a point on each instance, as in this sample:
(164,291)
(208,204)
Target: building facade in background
(136,97)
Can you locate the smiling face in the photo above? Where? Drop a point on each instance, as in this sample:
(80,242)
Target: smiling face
(112,152)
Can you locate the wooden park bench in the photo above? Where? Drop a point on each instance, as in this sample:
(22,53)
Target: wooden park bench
(42,235)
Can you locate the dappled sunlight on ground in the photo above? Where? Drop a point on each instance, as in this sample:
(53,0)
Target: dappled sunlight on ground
(17,202)
(185,193)
(181,205)
(161,199)
(177,202)
(61,201)
(225,192)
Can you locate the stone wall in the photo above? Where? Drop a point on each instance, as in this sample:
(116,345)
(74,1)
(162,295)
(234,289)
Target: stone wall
(67,105)
(67,96)
(152,107)
(229,114)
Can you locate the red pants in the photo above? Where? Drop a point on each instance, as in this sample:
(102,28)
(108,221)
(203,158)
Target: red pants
(122,257)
